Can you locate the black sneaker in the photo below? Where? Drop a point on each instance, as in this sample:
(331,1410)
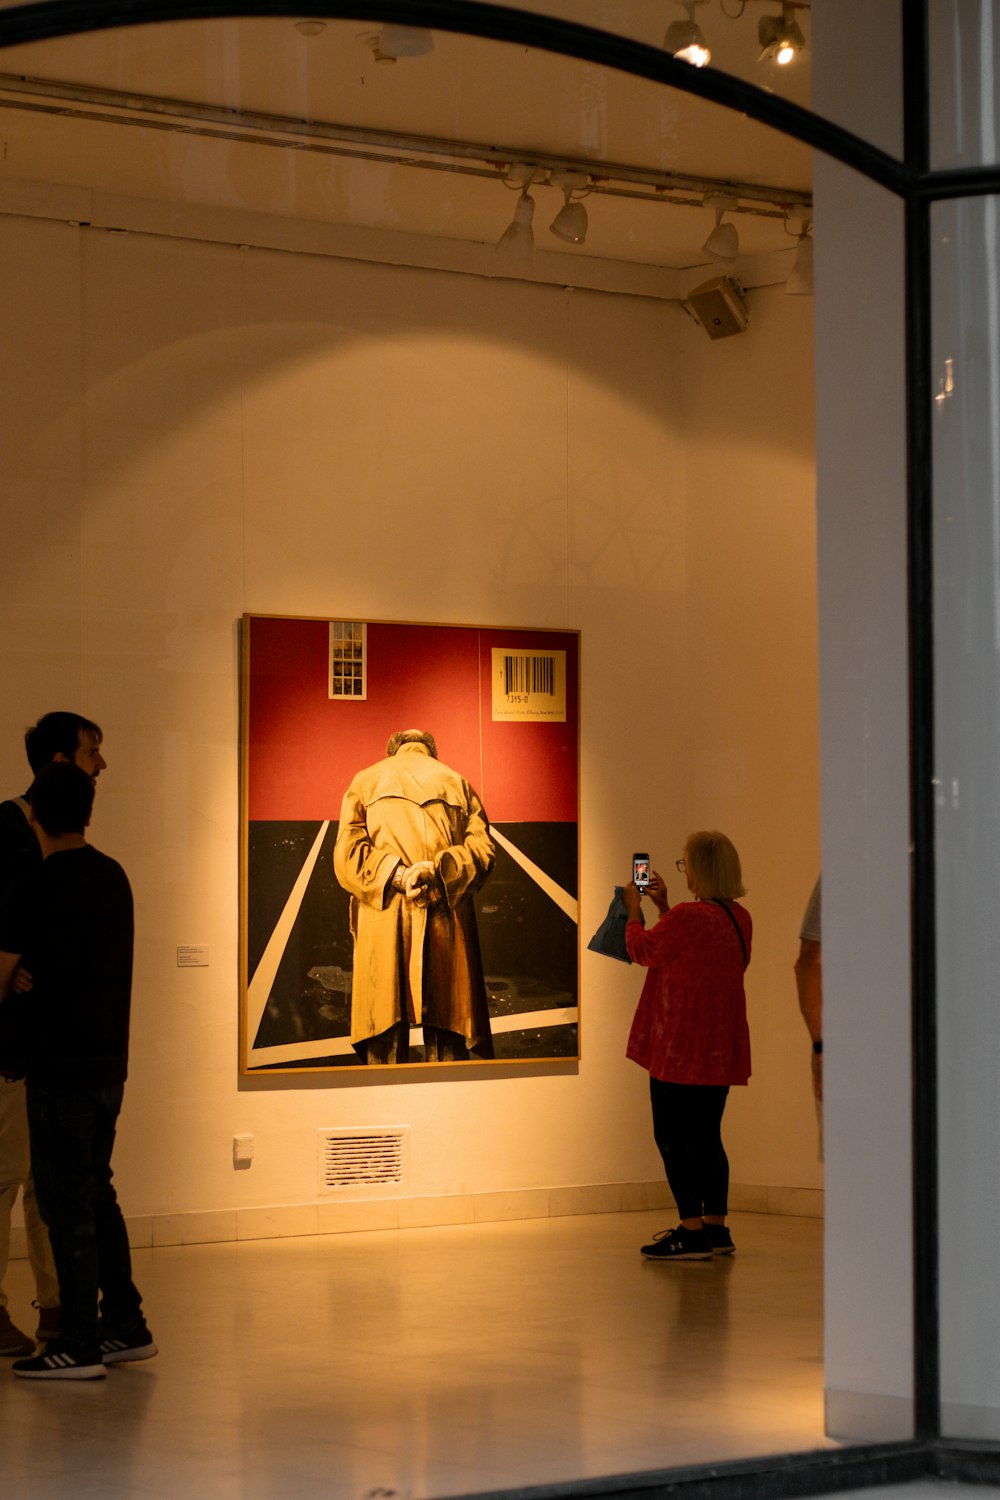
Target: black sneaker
(679,1244)
(117,1348)
(59,1361)
(720,1239)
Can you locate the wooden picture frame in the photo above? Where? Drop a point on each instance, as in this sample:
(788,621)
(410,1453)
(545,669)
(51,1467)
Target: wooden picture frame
(415,910)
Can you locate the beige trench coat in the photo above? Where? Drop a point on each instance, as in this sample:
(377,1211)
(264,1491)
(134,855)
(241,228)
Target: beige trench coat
(411,963)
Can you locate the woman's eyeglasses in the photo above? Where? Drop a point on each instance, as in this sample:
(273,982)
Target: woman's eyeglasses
(680,865)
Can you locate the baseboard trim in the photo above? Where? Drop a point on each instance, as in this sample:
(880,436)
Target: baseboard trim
(970,1424)
(218,1226)
(868,1416)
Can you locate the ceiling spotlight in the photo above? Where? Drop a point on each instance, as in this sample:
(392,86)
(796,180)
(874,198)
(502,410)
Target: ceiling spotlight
(724,241)
(800,279)
(520,174)
(684,39)
(518,240)
(781,38)
(570,223)
(393,42)
(310,28)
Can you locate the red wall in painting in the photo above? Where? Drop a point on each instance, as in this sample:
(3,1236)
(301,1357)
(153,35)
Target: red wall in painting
(303,748)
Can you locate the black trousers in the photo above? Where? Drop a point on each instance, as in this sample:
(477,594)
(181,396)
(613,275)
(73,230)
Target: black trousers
(687,1128)
(72,1132)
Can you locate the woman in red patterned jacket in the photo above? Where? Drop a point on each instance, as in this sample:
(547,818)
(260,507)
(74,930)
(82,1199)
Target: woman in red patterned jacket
(690,1034)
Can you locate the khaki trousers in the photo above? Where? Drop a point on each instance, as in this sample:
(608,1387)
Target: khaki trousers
(15,1173)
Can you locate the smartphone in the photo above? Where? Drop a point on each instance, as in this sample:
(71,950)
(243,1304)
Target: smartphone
(640,871)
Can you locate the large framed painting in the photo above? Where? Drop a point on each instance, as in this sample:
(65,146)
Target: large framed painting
(409,850)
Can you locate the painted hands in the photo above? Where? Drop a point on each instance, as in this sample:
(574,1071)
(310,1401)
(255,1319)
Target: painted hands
(419,883)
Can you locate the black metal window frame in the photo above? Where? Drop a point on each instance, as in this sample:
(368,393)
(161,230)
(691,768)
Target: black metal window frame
(912,180)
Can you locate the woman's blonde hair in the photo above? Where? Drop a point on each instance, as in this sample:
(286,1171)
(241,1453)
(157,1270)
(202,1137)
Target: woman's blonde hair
(713,866)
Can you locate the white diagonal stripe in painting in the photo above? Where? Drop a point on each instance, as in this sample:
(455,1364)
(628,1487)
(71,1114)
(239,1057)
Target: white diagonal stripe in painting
(340,1046)
(562,899)
(259,988)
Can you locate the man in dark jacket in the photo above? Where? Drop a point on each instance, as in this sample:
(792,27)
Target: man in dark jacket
(59,736)
(66,933)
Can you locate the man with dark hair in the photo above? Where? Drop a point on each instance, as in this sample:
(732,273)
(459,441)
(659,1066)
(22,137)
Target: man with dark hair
(69,926)
(58,736)
(65,736)
(412,847)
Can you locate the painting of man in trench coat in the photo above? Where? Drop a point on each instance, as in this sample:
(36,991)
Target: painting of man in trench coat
(413,845)
(385,920)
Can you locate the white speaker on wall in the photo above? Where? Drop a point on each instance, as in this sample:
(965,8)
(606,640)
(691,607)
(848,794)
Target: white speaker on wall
(719,305)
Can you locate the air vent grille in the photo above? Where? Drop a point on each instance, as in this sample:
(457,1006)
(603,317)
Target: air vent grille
(362,1158)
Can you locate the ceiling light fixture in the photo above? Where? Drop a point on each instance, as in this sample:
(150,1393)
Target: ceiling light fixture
(518,240)
(781,38)
(570,223)
(394,42)
(684,39)
(800,278)
(724,241)
(798,224)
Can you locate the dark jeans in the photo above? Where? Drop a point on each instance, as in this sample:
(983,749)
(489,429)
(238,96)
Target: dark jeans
(72,1132)
(687,1128)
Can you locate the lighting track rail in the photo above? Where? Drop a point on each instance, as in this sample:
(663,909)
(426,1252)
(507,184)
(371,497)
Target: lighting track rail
(425,153)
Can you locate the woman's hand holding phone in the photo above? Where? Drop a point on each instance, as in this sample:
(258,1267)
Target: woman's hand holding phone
(657,892)
(632,901)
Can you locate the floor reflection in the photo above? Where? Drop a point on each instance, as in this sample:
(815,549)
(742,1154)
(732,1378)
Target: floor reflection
(436,1362)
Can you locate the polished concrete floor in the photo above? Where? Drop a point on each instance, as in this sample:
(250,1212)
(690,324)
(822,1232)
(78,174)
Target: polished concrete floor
(434,1362)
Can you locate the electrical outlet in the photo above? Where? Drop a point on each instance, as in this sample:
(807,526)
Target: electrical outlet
(242,1151)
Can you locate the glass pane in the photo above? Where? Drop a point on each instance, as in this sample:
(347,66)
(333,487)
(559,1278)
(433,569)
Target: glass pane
(865,87)
(964,56)
(858,79)
(743,38)
(966,364)
(265,355)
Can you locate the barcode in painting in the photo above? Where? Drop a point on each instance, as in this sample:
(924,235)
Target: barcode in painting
(529,674)
(529,685)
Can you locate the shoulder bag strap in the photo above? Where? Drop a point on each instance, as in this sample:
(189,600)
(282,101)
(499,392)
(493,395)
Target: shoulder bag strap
(725,907)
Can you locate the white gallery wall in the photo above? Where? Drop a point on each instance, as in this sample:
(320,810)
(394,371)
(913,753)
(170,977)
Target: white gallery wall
(191,431)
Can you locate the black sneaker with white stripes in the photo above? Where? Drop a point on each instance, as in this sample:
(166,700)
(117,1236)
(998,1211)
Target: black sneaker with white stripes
(117,1348)
(59,1361)
(679,1244)
(720,1239)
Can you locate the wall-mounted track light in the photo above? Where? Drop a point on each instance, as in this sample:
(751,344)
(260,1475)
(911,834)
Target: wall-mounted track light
(780,37)
(684,39)
(798,223)
(570,223)
(518,240)
(800,278)
(724,241)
